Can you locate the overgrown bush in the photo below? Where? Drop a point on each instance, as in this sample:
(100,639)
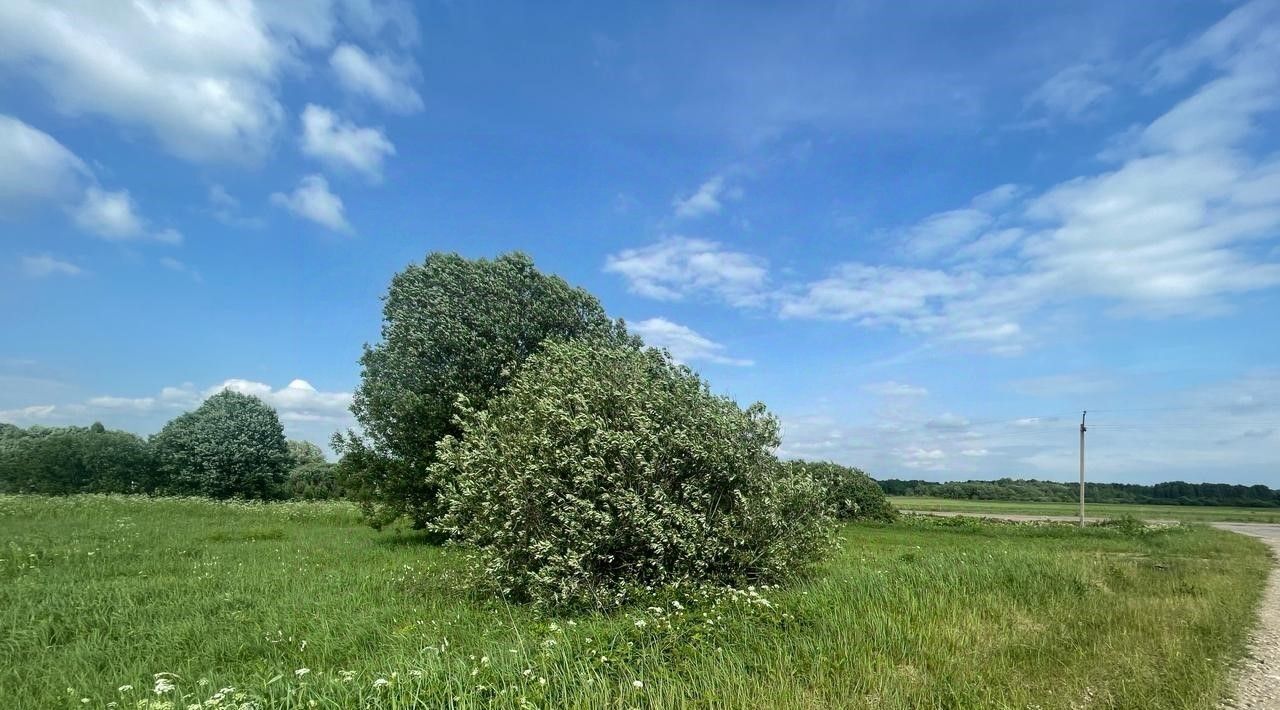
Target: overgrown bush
(66,460)
(849,493)
(451,326)
(604,470)
(313,481)
(231,446)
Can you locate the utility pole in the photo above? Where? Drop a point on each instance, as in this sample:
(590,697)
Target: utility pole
(1082,430)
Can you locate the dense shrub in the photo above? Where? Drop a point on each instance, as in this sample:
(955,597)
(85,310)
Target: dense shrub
(302,453)
(231,446)
(602,470)
(66,460)
(313,481)
(451,326)
(849,493)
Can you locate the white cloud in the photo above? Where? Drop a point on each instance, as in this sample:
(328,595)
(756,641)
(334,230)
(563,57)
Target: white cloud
(202,76)
(110,215)
(1177,228)
(113,216)
(1073,92)
(140,404)
(28,414)
(297,401)
(895,389)
(975,452)
(313,201)
(379,78)
(874,295)
(947,422)
(684,343)
(677,267)
(707,199)
(343,145)
(943,232)
(920,458)
(45,265)
(34,166)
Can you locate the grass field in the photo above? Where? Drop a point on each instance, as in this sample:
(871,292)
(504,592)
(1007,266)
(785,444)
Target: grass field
(299,605)
(1185,513)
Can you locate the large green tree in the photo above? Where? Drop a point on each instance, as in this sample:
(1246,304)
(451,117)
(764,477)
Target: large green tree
(231,446)
(452,327)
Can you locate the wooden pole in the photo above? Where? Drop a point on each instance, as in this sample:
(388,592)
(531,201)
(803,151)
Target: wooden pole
(1082,430)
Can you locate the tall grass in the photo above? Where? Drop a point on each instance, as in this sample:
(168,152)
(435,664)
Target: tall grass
(299,605)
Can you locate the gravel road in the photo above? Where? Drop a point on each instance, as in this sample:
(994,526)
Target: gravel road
(1257,682)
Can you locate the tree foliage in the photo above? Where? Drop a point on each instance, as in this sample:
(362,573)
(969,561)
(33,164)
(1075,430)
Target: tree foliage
(604,469)
(302,453)
(849,493)
(1013,489)
(451,327)
(66,460)
(232,445)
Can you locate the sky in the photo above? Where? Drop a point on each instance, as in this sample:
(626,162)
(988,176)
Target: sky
(927,235)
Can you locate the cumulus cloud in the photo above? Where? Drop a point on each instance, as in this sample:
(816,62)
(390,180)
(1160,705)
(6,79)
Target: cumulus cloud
(113,215)
(202,77)
(313,201)
(684,343)
(342,145)
(677,267)
(34,167)
(708,199)
(44,265)
(377,77)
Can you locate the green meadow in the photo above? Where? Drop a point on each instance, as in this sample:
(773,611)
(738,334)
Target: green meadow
(109,601)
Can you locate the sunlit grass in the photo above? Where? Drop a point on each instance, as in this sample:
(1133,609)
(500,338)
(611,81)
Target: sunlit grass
(1187,513)
(286,605)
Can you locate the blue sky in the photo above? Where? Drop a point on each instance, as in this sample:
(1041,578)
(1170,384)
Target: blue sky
(925,234)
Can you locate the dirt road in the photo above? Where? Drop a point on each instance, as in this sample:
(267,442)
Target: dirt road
(1257,684)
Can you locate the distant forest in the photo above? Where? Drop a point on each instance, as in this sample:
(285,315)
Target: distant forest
(1172,493)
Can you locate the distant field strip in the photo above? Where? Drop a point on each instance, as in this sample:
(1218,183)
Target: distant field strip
(121,600)
(1186,513)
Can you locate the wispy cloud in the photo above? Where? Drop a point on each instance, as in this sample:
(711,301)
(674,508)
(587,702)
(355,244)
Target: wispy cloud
(684,343)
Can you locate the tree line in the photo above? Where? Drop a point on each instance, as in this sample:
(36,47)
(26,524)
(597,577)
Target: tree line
(1014,489)
(231,446)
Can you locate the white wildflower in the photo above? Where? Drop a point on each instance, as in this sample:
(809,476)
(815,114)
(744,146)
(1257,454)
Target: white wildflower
(301,672)
(637,684)
(163,685)
(381,683)
(125,688)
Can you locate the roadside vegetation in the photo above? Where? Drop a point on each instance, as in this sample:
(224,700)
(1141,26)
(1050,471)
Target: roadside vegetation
(1194,514)
(115,598)
(1177,493)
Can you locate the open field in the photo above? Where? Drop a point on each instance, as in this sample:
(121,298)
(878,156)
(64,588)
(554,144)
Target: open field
(296,603)
(1185,513)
